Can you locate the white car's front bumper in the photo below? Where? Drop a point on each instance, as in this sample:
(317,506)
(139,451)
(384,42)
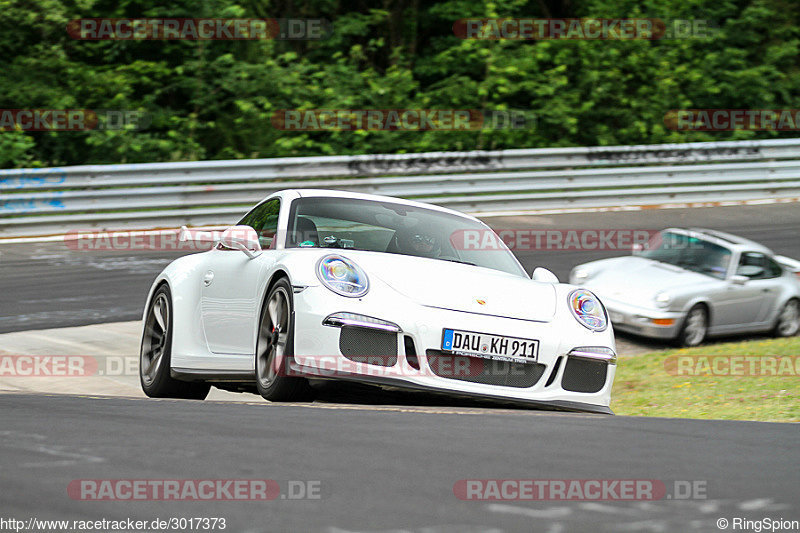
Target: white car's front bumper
(557,380)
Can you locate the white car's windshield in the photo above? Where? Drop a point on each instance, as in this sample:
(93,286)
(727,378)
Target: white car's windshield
(348,223)
(689,252)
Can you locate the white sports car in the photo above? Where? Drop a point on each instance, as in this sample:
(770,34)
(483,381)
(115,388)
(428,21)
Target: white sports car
(317,285)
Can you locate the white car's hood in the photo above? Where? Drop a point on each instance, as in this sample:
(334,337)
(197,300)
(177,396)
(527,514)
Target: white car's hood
(637,280)
(459,287)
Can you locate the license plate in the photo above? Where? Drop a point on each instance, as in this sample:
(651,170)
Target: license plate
(489,346)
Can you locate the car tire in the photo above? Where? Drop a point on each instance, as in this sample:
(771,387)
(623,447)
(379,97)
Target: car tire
(155,354)
(275,348)
(788,322)
(695,327)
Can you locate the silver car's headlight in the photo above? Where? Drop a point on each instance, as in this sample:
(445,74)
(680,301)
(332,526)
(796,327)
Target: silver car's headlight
(587,309)
(663,299)
(342,276)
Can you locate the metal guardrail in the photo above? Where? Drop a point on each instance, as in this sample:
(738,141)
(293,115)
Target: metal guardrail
(60,200)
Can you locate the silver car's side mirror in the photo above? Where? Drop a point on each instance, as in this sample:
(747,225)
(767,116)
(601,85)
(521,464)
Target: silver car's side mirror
(738,279)
(750,271)
(542,274)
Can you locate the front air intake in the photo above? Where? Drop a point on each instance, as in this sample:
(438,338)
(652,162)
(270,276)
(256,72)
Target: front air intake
(411,352)
(584,375)
(554,372)
(485,371)
(370,346)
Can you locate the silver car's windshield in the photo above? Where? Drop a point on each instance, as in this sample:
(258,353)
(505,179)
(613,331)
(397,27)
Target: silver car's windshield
(348,223)
(689,252)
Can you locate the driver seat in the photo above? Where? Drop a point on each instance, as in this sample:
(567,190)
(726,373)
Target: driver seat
(305,230)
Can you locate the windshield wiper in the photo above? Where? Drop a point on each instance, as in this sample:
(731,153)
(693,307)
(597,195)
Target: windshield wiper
(456,261)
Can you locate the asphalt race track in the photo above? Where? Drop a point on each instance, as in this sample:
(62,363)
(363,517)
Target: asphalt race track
(390,469)
(47,285)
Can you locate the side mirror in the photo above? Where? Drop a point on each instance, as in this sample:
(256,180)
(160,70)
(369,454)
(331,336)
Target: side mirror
(542,274)
(750,271)
(242,238)
(738,279)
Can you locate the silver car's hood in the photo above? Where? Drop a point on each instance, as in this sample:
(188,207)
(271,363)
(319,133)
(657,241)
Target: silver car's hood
(449,285)
(637,280)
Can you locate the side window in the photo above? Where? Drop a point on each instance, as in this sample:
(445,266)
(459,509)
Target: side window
(774,270)
(756,265)
(264,219)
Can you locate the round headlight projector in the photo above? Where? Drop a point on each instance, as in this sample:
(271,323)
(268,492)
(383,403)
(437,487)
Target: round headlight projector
(588,310)
(342,276)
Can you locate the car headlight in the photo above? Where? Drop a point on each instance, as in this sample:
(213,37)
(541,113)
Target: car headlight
(342,276)
(579,275)
(663,299)
(587,309)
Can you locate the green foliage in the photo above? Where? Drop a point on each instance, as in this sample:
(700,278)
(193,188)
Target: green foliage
(215,99)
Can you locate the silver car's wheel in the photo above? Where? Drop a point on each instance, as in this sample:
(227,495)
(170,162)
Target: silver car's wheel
(695,327)
(156,353)
(274,348)
(788,320)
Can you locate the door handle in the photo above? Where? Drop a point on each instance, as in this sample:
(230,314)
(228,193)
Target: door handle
(208,278)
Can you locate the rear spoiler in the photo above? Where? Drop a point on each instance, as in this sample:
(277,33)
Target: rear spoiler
(791,264)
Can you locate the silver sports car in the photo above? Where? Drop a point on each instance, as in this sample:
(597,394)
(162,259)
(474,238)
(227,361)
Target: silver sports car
(690,284)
